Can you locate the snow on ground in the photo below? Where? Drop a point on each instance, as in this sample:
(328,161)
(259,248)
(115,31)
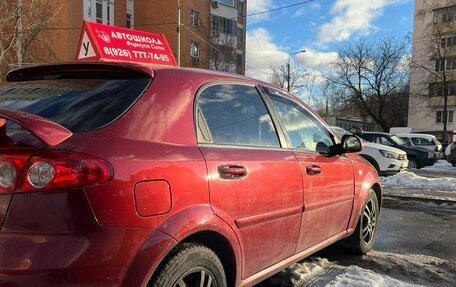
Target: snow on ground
(355,276)
(440,165)
(411,180)
(382,269)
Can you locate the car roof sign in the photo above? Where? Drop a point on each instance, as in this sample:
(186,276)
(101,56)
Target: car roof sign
(111,43)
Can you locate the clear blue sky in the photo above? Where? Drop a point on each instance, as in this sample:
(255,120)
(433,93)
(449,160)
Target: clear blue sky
(319,27)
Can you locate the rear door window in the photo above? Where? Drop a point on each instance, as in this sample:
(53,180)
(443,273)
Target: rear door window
(232,114)
(79,104)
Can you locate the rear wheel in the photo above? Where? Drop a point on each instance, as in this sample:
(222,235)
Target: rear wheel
(190,265)
(362,240)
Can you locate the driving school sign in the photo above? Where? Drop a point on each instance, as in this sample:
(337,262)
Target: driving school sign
(110,43)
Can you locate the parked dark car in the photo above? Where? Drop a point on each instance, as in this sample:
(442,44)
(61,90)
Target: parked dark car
(418,157)
(450,153)
(121,174)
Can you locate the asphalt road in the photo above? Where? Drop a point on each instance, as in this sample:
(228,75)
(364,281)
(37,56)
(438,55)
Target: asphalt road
(405,228)
(417,228)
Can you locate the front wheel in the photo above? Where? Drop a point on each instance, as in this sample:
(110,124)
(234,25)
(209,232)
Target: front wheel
(362,240)
(413,163)
(190,265)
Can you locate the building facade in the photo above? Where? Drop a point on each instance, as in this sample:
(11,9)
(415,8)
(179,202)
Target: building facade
(433,67)
(212,33)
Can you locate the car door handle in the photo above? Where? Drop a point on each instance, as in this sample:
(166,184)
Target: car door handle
(232,171)
(313,169)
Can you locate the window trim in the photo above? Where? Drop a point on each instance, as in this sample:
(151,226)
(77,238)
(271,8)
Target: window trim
(199,135)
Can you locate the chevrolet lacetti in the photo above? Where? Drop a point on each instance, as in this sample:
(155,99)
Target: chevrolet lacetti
(126,175)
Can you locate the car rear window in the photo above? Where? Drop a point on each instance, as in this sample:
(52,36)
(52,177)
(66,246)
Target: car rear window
(75,102)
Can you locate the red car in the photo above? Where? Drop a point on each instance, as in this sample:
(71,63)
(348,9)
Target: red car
(122,174)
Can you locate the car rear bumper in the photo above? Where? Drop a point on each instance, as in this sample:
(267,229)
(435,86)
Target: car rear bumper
(53,239)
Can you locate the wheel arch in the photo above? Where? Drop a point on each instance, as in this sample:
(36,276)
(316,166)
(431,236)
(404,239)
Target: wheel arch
(378,192)
(200,225)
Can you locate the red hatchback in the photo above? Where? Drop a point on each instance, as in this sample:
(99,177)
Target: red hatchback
(121,174)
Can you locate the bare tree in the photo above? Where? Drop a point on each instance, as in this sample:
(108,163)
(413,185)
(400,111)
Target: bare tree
(437,82)
(374,75)
(292,74)
(222,55)
(22,22)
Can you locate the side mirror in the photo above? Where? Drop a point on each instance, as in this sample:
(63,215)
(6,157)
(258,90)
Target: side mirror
(351,143)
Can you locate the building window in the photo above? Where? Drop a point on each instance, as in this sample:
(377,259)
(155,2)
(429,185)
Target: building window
(99,11)
(448,64)
(241,8)
(240,61)
(437,89)
(240,35)
(195,18)
(129,15)
(129,23)
(194,49)
(439,117)
(223,25)
(445,15)
(227,2)
(448,41)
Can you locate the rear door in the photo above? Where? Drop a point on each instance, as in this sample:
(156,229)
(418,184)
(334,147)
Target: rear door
(254,184)
(328,180)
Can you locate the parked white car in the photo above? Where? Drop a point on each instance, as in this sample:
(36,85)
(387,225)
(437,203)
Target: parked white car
(386,160)
(421,140)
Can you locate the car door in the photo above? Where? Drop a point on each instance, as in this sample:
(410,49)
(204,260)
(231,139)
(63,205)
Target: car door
(328,180)
(254,183)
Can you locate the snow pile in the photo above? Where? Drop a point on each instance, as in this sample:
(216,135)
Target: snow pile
(356,276)
(410,180)
(378,269)
(440,165)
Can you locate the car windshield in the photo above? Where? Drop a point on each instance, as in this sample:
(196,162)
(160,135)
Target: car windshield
(77,104)
(398,140)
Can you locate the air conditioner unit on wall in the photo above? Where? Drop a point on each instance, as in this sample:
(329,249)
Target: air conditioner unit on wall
(214,4)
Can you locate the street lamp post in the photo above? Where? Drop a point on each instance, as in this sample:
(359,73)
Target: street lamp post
(288,67)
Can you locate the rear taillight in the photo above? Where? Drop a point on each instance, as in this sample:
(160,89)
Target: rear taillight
(50,171)
(10,170)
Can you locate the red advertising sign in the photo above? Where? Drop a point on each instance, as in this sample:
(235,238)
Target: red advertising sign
(110,43)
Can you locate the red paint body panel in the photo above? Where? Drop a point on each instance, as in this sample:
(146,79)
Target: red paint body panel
(167,188)
(272,185)
(328,197)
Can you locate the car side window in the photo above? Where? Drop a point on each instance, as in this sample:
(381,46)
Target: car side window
(421,141)
(235,115)
(304,131)
(407,140)
(385,141)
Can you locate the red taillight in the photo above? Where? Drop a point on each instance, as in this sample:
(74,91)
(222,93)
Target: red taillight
(11,167)
(51,170)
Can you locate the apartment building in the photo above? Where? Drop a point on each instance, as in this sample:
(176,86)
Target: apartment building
(433,67)
(212,33)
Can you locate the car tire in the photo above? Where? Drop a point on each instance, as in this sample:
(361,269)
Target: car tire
(413,163)
(190,264)
(362,240)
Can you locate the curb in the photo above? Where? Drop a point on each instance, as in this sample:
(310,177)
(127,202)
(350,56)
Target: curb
(420,199)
